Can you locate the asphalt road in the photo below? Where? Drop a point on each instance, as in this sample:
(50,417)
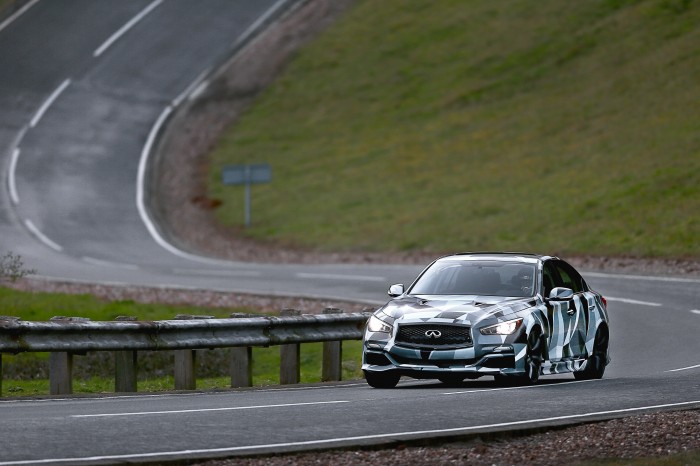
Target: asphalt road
(84,85)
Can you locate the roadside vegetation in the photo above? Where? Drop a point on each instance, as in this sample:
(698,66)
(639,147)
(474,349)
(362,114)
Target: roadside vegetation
(568,128)
(27,373)
(12,268)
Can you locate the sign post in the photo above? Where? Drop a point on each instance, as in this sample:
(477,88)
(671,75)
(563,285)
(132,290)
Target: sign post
(233,175)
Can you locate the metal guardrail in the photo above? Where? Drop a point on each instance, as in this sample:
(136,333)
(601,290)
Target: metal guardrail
(65,336)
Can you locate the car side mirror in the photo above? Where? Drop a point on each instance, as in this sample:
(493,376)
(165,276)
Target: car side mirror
(561,294)
(396,290)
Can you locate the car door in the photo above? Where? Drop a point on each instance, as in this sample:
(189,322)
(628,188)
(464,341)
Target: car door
(578,309)
(568,319)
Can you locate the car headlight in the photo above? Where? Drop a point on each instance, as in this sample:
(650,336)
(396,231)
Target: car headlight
(504,328)
(376,325)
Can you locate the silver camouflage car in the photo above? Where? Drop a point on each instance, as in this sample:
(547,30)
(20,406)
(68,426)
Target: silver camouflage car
(508,315)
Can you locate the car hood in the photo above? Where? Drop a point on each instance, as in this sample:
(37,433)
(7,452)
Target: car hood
(454,309)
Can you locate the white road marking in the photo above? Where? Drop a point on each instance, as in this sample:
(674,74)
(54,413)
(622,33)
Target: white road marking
(199,90)
(684,368)
(641,277)
(123,30)
(259,22)
(188,92)
(205,410)
(93,261)
(16,15)
(52,98)
(317,443)
(695,311)
(42,237)
(141,196)
(140,183)
(11,176)
(331,276)
(519,388)
(634,301)
(222,273)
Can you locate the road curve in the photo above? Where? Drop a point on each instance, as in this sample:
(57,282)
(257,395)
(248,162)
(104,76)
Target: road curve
(83,88)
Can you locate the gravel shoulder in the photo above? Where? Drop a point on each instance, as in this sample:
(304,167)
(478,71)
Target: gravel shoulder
(644,437)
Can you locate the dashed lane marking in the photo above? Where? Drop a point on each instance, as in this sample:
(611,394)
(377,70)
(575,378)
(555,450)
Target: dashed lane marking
(206,410)
(42,237)
(124,29)
(685,368)
(104,263)
(332,276)
(19,13)
(45,106)
(634,301)
(221,273)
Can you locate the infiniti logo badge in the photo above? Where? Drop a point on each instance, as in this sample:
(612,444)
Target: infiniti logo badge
(433,334)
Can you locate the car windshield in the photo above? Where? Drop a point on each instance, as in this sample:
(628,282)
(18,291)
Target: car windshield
(484,278)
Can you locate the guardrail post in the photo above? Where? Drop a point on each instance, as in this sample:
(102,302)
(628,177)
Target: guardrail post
(241,361)
(290,371)
(125,371)
(185,374)
(11,318)
(185,378)
(332,354)
(61,373)
(61,364)
(125,366)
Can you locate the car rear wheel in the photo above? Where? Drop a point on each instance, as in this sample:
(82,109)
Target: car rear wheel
(382,379)
(595,364)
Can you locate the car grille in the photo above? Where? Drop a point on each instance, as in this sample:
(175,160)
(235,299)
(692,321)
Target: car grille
(444,336)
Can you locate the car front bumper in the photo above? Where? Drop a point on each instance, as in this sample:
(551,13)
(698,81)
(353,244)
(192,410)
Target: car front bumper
(472,362)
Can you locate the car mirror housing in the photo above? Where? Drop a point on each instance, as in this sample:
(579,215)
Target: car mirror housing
(396,290)
(561,294)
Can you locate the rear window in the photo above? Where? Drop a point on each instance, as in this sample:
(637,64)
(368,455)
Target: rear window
(485,278)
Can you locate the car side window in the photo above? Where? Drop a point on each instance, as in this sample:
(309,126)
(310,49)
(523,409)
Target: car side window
(570,277)
(549,278)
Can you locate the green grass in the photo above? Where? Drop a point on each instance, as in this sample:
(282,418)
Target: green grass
(26,374)
(442,126)
(43,306)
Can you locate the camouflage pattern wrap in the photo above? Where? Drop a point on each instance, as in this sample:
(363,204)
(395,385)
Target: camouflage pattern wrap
(407,335)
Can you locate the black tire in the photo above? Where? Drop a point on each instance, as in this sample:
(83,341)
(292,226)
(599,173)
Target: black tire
(506,380)
(382,379)
(534,357)
(596,362)
(451,379)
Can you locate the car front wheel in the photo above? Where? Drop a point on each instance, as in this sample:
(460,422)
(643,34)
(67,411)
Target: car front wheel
(382,379)
(534,356)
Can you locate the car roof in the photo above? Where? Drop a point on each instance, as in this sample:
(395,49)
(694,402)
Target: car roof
(498,256)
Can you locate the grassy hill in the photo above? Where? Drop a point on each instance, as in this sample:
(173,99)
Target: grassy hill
(568,127)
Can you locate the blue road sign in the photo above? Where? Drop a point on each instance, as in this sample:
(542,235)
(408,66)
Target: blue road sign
(256,173)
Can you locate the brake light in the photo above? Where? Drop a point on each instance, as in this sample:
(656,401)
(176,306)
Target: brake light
(605,301)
